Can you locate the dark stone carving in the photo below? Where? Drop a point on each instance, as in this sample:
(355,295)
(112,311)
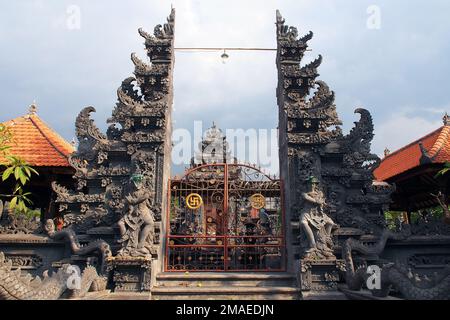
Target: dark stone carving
(12,223)
(24,261)
(316,225)
(137,144)
(356,278)
(320,275)
(15,286)
(312,144)
(411,286)
(98,246)
(137,227)
(427,260)
(429,226)
(131,274)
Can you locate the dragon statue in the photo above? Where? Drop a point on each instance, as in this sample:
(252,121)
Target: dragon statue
(357,143)
(15,286)
(98,246)
(393,275)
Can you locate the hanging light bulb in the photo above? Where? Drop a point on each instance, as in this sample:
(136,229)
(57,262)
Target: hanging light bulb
(224,57)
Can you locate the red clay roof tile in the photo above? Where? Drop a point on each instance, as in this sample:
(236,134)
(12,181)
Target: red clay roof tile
(408,157)
(37,143)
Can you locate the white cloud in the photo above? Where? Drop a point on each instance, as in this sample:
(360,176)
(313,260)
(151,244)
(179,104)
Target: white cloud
(401,129)
(404,63)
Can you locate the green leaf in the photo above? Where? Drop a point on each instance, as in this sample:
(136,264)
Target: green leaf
(7,173)
(16,173)
(12,159)
(13,203)
(34,171)
(26,199)
(23,179)
(21,206)
(27,170)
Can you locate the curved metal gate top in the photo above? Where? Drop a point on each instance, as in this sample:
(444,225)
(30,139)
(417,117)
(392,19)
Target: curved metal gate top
(225,217)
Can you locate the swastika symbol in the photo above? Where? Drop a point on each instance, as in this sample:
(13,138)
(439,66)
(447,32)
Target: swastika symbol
(194,201)
(258,201)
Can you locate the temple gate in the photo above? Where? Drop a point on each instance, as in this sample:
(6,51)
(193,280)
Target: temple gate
(127,222)
(225,217)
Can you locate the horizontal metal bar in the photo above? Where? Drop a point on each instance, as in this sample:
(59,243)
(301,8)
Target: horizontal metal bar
(222,49)
(222,237)
(225,49)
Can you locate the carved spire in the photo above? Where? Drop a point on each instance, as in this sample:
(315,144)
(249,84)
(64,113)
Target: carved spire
(291,47)
(213,148)
(149,92)
(32,110)
(446,119)
(159,46)
(309,120)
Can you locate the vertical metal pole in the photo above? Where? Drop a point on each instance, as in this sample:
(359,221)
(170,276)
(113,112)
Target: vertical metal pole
(225,212)
(283,225)
(167,242)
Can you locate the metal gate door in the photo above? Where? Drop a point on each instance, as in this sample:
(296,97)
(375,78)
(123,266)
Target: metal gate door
(225,217)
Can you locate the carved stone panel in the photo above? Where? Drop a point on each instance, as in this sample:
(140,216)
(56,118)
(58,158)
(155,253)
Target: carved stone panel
(25,261)
(131,275)
(320,275)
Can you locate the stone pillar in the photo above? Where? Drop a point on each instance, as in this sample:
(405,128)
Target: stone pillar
(302,124)
(328,177)
(122,175)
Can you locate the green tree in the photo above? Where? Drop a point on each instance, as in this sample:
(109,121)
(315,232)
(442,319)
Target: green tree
(392,217)
(16,169)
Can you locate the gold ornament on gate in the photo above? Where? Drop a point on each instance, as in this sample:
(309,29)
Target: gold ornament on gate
(194,201)
(258,201)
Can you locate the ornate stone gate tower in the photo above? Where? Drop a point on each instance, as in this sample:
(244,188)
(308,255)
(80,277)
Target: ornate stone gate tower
(328,177)
(122,176)
(303,123)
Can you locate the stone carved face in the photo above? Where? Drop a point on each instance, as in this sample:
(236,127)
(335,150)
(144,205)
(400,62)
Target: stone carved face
(137,180)
(49,226)
(315,186)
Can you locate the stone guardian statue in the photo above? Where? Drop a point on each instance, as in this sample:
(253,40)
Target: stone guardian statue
(138,224)
(316,225)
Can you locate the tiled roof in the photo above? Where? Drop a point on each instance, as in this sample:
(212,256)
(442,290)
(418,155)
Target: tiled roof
(437,145)
(38,144)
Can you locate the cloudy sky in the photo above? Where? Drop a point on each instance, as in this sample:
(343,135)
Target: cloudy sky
(395,66)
